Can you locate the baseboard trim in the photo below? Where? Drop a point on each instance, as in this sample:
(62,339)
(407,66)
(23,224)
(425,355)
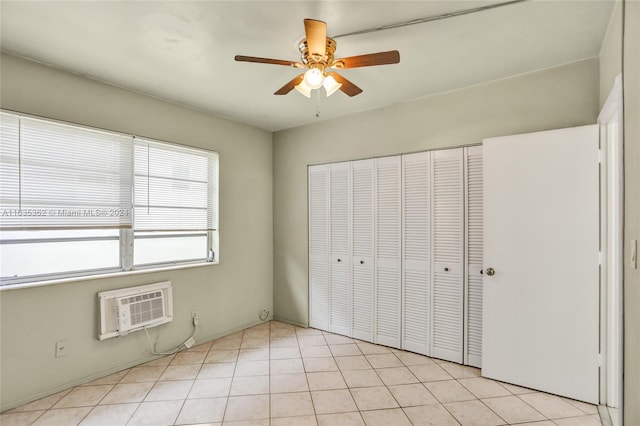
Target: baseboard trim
(8,405)
(289,321)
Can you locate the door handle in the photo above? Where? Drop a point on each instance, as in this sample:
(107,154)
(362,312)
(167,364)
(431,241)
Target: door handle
(491,271)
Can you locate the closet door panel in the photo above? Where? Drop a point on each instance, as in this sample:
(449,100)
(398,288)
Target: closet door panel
(340,243)
(416,275)
(318,179)
(362,183)
(448,253)
(388,251)
(473,256)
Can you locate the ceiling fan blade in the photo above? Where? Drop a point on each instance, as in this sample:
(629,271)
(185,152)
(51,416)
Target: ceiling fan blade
(316,32)
(347,87)
(380,58)
(241,58)
(290,85)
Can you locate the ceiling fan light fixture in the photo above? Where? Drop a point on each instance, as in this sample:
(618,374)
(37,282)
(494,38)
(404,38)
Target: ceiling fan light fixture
(331,85)
(314,78)
(318,54)
(304,89)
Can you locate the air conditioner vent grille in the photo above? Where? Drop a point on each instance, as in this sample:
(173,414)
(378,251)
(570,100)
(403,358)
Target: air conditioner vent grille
(134,308)
(146,310)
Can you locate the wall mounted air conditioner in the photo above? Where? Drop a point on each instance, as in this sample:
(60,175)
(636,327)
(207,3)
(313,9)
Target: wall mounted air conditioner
(131,309)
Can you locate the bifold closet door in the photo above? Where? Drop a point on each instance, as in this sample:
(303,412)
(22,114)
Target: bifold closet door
(318,178)
(340,244)
(473,255)
(447,254)
(388,235)
(416,262)
(362,183)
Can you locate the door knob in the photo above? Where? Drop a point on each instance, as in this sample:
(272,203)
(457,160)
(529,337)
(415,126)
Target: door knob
(491,271)
(362,262)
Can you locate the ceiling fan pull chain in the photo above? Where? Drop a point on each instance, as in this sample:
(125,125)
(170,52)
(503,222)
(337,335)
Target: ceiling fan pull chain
(317,103)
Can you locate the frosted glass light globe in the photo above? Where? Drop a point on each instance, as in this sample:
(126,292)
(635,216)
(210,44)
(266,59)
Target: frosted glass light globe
(313,78)
(331,85)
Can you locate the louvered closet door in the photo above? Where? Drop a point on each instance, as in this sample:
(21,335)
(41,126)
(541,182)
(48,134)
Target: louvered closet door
(362,182)
(448,252)
(318,177)
(473,255)
(416,262)
(388,251)
(340,242)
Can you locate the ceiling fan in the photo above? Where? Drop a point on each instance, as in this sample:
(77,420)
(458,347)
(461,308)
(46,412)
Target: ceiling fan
(317,55)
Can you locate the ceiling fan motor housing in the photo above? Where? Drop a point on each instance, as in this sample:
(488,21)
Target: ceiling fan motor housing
(317,61)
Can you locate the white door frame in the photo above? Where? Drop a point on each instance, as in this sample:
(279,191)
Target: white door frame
(611,225)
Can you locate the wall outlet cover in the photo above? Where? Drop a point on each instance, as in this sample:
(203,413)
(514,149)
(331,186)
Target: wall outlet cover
(61,348)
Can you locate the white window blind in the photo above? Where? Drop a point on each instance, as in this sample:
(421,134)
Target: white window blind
(176,188)
(86,201)
(59,176)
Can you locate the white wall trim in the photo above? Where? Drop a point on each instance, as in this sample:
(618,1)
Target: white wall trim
(611,124)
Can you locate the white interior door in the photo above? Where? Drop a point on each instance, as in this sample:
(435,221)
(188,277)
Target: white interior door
(416,253)
(340,243)
(541,227)
(319,246)
(362,213)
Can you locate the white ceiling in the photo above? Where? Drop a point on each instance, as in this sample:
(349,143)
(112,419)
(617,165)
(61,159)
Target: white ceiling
(183,51)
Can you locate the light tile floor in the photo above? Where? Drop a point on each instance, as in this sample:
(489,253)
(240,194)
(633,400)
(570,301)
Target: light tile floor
(275,374)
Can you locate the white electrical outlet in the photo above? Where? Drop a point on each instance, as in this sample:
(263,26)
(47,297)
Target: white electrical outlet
(61,348)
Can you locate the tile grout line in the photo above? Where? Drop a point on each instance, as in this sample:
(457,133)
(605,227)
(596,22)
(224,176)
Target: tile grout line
(233,374)
(333,357)
(482,402)
(139,404)
(190,387)
(306,378)
(326,337)
(427,389)
(152,386)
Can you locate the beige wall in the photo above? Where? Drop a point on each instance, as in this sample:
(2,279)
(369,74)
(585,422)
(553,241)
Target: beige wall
(611,53)
(228,296)
(631,83)
(561,97)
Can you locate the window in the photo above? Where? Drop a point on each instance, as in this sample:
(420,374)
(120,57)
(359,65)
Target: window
(76,201)
(175,203)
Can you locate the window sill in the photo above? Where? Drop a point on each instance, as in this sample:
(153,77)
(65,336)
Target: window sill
(103,276)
